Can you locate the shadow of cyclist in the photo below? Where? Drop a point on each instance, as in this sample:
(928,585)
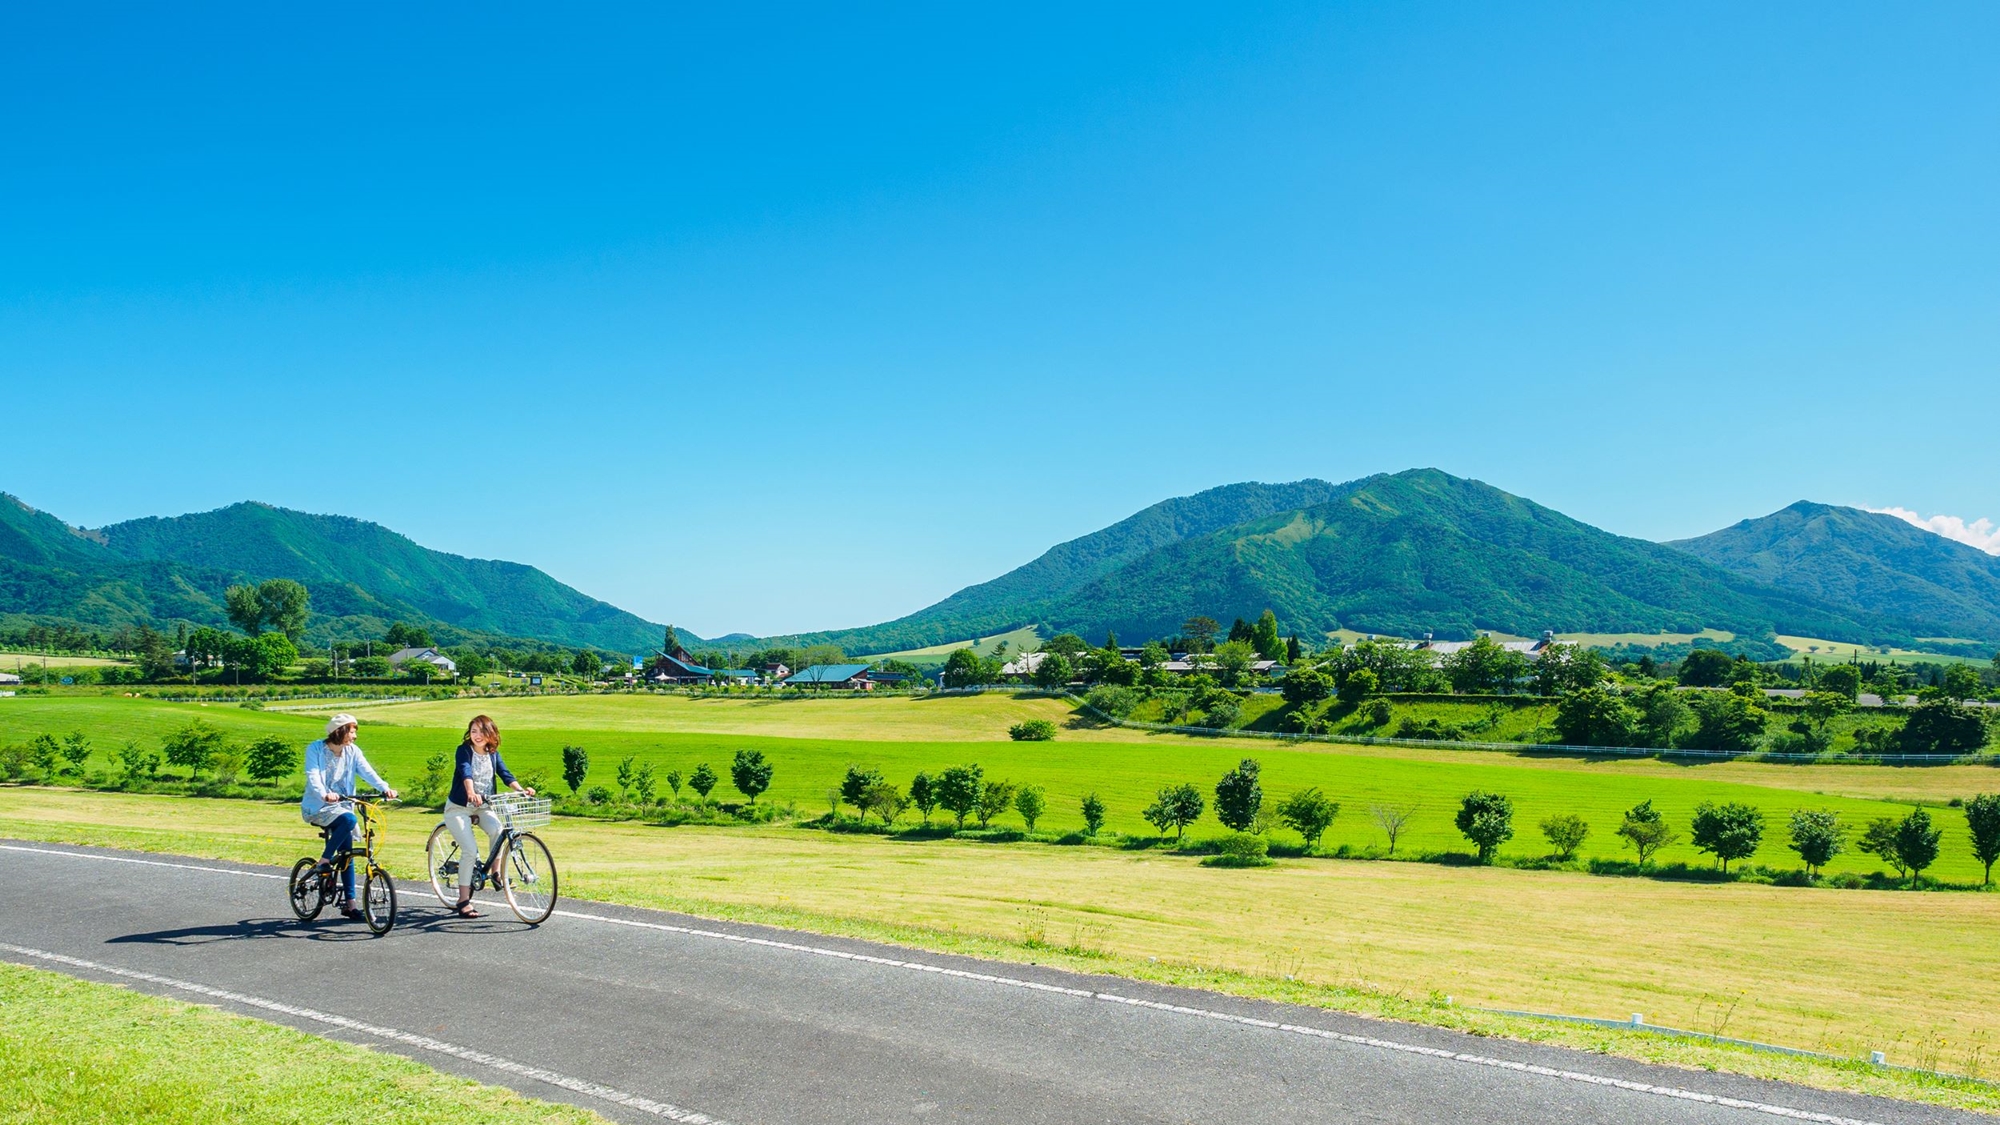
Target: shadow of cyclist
(247,929)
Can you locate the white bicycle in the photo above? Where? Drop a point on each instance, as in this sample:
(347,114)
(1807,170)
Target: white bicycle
(519,865)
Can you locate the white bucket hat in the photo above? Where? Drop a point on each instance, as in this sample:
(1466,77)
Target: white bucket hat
(334,724)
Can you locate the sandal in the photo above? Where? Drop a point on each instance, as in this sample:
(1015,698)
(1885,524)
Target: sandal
(465,910)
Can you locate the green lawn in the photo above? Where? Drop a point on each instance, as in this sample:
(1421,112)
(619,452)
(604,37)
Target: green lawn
(902,736)
(85,1053)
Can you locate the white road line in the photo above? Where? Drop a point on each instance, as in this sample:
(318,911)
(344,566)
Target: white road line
(424,1042)
(1108,997)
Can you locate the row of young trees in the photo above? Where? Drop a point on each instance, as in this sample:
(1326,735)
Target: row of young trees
(197,747)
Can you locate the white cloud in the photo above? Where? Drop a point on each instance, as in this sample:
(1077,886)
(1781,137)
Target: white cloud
(1979,533)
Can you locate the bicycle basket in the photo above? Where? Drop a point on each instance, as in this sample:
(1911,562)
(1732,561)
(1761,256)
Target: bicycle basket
(520,810)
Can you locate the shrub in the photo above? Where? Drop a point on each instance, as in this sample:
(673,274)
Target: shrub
(1429,730)
(1359,685)
(1030,802)
(1817,836)
(76,751)
(1175,807)
(643,782)
(271,757)
(884,800)
(1377,712)
(1486,819)
(1309,813)
(1241,849)
(138,763)
(1729,831)
(47,753)
(1565,833)
(958,790)
(1942,726)
(1093,814)
(1032,730)
(1239,796)
(15,761)
(1112,700)
(576,767)
(1595,717)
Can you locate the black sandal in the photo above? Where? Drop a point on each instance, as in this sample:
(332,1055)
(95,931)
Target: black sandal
(465,910)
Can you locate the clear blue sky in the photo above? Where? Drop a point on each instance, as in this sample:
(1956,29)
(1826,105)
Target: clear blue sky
(780,319)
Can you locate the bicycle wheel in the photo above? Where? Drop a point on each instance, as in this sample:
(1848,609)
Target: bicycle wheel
(441,855)
(378,901)
(529,872)
(307,890)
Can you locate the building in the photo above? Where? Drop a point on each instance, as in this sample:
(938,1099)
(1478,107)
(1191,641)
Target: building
(851,677)
(9,678)
(1531,649)
(776,671)
(676,667)
(429,656)
(1023,666)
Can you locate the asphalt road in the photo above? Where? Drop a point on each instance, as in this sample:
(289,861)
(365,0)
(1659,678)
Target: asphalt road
(643,1015)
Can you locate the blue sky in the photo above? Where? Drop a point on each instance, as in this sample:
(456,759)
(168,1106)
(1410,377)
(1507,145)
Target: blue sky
(774,319)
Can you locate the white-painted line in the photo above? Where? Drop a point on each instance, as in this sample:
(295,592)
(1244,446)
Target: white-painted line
(144,862)
(1108,997)
(423,1042)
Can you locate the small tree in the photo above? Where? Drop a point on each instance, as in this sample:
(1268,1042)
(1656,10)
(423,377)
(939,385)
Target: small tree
(997,797)
(854,786)
(1392,819)
(47,753)
(1982,819)
(1239,796)
(1730,831)
(750,773)
(1053,671)
(1093,814)
(427,786)
(1486,819)
(924,796)
(674,780)
(1359,685)
(1879,839)
(1917,843)
(627,771)
(1565,833)
(1309,813)
(1817,835)
(1304,687)
(1646,830)
(576,767)
(587,664)
(959,789)
(702,780)
(1175,807)
(271,757)
(76,751)
(884,800)
(193,746)
(1030,802)
(643,782)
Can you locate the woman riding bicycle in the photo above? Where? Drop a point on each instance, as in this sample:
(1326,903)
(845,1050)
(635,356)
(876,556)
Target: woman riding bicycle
(472,783)
(332,765)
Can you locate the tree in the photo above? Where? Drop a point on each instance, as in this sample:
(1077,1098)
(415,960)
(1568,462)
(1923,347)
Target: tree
(995,798)
(271,757)
(1067,645)
(1264,636)
(923,796)
(854,786)
(245,612)
(1392,819)
(703,780)
(1233,660)
(205,647)
(674,781)
(1879,839)
(1942,726)
(1960,683)
(1662,714)
(76,751)
(643,782)
(1309,813)
(1595,717)
(885,801)
(1200,632)
(1727,721)
(959,789)
(1153,655)
(627,773)
(271,655)
(1917,843)
(670,641)
(1707,667)
(1817,835)
(1030,802)
(284,605)
(402,634)
(1727,831)
(1565,833)
(750,773)
(47,752)
(1053,671)
(369,666)
(576,766)
(1982,820)
(587,664)
(1821,708)
(1239,796)
(1486,819)
(1484,667)
(1175,807)
(963,668)
(1294,651)
(1093,813)
(1305,686)
(1563,668)
(1843,680)
(193,746)
(436,775)
(1359,685)
(1646,830)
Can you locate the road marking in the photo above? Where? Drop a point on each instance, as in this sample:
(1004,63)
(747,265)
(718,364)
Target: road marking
(424,1042)
(1113,998)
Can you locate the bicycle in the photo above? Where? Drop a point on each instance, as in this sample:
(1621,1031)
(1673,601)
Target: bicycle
(519,865)
(312,886)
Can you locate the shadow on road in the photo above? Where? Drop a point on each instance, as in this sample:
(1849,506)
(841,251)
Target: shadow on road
(334,929)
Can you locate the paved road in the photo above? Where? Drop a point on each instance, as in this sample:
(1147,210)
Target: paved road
(643,1015)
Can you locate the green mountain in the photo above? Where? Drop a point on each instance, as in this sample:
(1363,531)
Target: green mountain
(1404,554)
(1935,587)
(362,577)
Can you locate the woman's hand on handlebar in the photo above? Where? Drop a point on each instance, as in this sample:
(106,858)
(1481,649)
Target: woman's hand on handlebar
(474,800)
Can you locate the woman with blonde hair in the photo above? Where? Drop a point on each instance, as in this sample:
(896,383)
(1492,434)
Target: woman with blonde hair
(472,784)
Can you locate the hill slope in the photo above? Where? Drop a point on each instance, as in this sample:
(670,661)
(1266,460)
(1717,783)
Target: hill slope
(362,576)
(1936,587)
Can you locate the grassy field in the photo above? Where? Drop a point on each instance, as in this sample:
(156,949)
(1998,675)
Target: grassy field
(903,735)
(1807,969)
(86,1053)
(1020,640)
(1823,651)
(15,661)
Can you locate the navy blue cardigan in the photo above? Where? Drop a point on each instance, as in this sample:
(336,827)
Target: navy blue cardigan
(462,771)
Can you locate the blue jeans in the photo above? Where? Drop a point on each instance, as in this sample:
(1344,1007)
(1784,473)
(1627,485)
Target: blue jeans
(340,837)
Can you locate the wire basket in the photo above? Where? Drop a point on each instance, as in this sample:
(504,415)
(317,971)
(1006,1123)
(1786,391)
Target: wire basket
(520,810)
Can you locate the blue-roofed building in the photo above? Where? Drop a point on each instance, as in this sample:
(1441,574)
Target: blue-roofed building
(851,677)
(736,675)
(676,668)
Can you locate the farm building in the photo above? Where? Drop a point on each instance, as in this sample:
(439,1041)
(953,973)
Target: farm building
(1023,666)
(429,656)
(852,677)
(676,667)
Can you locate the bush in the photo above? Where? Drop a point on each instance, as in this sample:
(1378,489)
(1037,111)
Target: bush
(1241,849)
(1565,833)
(1942,726)
(1486,819)
(1429,730)
(1112,700)
(1032,730)
(1309,813)
(598,795)
(1376,712)
(1030,802)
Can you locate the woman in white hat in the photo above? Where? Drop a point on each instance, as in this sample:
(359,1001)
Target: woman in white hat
(332,765)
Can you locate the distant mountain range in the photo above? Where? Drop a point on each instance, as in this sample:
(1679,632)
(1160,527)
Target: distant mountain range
(362,577)
(1400,554)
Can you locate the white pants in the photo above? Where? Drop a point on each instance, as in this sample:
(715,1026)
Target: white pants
(458,821)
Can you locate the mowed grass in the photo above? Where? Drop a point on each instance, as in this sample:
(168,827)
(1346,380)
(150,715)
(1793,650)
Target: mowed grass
(15,661)
(80,1052)
(1024,639)
(1125,770)
(1917,976)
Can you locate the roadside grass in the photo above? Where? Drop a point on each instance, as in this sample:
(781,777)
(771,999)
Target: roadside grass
(81,1052)
(1799,968)
(1126,775)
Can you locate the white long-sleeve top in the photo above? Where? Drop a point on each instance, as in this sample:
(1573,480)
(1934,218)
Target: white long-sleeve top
(328,772)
